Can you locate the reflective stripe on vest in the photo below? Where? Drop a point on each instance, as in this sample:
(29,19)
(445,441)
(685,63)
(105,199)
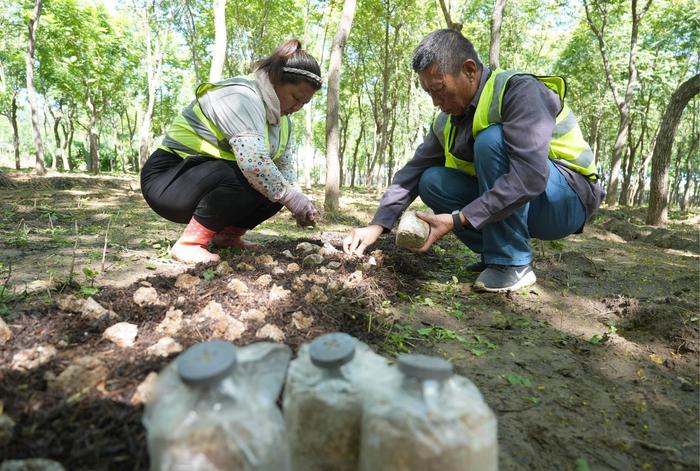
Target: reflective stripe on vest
(192,133)
(568,147)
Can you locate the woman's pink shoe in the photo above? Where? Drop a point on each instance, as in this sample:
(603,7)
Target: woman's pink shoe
(233,237)
(192,246)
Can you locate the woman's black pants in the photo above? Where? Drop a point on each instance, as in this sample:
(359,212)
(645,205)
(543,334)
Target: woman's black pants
(213,191)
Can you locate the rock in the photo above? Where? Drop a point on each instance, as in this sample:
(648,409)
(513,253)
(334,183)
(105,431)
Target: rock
(245,267)
(32,464)
(307,247)
(278,293)
(69,303)
(334,265)
(263,280)
(288,254)
(185,280)
(254,315)
(145,283)
(237,286)
(7,426)
(353,280)
(264,260)
(313,259)
(171,324)
(147,296)
(87,308)
(31,358)
(328,250)
(94,311)
(269,331)
(123,334)
(298,284)
(164,347)
(180,300)
(378,256)
(412,232)
(278,271)
(5,332)
(372,261)
(223,325)
(223,269)
(302,322)
(145,390)
(292,268)
(316,295)
(83,374)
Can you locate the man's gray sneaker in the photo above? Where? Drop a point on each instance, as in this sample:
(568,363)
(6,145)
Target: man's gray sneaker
(476,267)
(504,278)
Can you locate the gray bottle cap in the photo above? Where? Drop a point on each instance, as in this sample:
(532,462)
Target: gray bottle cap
(424,367)
(332,350)
(207,363)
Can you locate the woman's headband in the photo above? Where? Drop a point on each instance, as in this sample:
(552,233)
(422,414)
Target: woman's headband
(305,73)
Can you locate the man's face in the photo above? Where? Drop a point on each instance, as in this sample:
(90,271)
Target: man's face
(452,92)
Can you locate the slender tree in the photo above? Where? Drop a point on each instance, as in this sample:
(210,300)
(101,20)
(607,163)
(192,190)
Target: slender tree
(219,52)
(448,17)
(496,21)
(31,92)
(623,103)
(332,137)
(657,213)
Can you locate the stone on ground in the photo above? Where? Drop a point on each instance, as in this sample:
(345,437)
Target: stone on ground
(122,334)
(31,358)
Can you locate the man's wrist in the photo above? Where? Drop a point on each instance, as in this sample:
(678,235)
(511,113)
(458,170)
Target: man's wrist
(458,221)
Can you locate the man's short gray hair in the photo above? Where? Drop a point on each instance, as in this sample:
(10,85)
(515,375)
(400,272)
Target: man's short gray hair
(447,48)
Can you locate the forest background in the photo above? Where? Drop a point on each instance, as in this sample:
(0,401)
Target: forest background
(92,86)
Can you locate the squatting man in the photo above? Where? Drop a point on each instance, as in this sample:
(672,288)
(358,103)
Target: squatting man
(505,160)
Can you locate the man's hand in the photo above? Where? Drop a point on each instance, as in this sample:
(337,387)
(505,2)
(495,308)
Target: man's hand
(361,238)
(440,224)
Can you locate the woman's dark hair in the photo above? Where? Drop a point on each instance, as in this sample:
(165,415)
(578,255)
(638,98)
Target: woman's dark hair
(291,64)
(447,48)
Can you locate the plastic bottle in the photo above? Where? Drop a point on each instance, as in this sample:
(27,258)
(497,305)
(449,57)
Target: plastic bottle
(214,410)
(323,401)
(428,419)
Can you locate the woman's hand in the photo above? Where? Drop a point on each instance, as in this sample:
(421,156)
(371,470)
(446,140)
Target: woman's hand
(360,238)
(301,208)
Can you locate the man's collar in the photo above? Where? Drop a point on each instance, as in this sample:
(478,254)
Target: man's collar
(485,74)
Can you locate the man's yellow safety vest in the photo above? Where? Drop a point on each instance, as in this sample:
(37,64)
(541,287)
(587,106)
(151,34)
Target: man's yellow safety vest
(568,147)
(192,133)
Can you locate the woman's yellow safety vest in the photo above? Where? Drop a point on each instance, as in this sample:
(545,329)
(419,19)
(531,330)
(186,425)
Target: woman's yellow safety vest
(568,147)
(192,133)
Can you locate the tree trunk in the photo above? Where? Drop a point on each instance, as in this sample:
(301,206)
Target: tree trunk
(658,194)
(94,163)
(448,18)
(623,104)
(154,62)
(331,203)
(496,20)
(31,92)
(309,153)
(219,53)
(57,137)
(673,198)
(15,130)
(354,155)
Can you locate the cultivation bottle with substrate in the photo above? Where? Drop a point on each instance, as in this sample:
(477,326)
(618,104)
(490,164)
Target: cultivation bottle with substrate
(428,419)
(323,401)
(214,410)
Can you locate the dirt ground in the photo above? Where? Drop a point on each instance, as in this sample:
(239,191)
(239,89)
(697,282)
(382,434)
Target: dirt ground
(595,367)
